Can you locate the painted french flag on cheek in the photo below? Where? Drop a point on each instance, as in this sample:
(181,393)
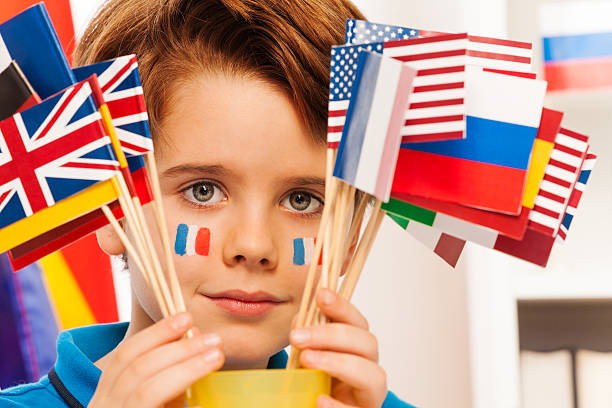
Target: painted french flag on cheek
(303,250)
(192,240)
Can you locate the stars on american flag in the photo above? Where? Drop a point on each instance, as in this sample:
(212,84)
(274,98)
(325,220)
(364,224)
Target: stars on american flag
(359,32)
(344,68)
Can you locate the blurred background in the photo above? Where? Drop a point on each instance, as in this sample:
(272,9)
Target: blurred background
(494,331)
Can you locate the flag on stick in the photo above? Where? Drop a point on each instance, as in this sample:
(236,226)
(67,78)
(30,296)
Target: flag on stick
(574,201)
(341,78)
(446,246)
(371,135)
(560,176)
(488,169)
(510,225)
(577,42)
(29,39)
(50,153)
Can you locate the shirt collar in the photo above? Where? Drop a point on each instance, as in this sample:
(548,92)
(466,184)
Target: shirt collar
(78,349)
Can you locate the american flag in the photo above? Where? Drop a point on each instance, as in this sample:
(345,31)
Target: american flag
(342,74)
(121,89)
(560,176)
(437,110)
(574,201)
(52,151)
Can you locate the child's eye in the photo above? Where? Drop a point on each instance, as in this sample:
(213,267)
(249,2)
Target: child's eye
(204,192)
(302,201)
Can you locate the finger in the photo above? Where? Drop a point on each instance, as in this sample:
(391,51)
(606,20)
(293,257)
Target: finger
(325,401)
(162,332)
(171,382)
(161,358)
(340,310)
(332,337)
(365,376)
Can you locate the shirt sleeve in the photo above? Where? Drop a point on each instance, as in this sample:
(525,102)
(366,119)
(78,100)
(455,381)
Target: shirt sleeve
(392,401)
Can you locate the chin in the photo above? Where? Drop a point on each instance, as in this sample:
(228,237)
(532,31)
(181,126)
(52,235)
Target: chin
(248,353)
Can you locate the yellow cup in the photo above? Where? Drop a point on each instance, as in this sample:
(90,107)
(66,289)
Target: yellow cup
(260,389)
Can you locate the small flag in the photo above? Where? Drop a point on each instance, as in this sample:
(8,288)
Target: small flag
(341,78)
(487,52)
(371,136)
(192,240)
(59,11)
(577,42)
(17,93)
(121,90)
(303,251)
(50,152)
(560,176)
(488,169)
(574,201)
(29,39)
(436,110)
(446,246)
(510,225)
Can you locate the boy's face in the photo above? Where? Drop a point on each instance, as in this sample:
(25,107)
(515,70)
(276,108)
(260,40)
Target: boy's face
(236,159)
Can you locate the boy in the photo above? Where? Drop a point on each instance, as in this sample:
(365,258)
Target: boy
(237,97)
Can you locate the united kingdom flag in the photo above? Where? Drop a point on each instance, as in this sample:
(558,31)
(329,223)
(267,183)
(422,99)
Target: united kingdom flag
(121,89)
(52,151)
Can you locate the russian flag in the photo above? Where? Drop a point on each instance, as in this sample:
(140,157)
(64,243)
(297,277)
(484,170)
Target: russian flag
(371,136)
(30,40)
(192,240)
(487,169)
(577,42)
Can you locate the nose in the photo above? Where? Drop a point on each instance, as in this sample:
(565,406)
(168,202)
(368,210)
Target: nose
(250,242)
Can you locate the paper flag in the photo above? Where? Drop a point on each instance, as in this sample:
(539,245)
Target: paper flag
(488,52)
(29,39)
(510,225)
(577,43)
(447,247)
(561,174)
(371,136)
(488,169)
(576,196)
(341,78)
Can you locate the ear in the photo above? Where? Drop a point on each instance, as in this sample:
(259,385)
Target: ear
(351,251)
(109,241)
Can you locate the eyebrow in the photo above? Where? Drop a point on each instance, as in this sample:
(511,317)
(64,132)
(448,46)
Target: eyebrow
(214,170)
(306,181)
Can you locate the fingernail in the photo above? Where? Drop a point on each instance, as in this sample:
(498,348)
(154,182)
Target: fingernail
(211,356)
(211,340)
(180,321)
(326,296)
(300,336)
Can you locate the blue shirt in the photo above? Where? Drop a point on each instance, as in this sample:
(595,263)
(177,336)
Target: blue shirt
(77,349)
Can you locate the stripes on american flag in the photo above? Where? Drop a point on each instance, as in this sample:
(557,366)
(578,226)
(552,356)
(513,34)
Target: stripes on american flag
(342,74)
(574,201)
(560,177)
(436,110)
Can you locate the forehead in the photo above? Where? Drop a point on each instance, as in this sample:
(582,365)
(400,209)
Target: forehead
(242,123)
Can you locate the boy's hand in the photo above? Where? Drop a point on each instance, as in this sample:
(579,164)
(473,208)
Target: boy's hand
(347,351)
(156,365)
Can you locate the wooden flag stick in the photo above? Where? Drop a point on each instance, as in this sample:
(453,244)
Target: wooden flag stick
(340,250)
(133,254)
(361,254)
(135,223)
(159,274)
(160,218)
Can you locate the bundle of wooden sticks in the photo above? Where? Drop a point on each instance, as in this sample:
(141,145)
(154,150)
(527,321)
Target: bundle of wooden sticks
(342,245)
